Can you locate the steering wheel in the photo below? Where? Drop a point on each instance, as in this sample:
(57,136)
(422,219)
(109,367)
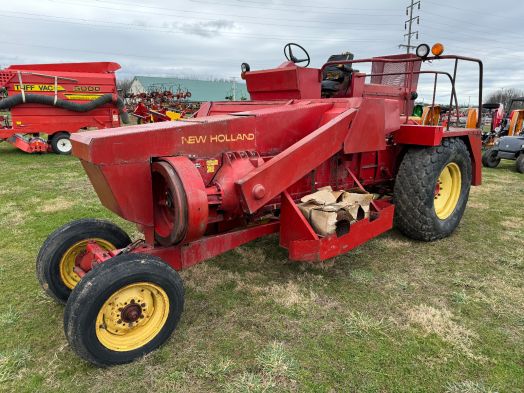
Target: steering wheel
(288,52)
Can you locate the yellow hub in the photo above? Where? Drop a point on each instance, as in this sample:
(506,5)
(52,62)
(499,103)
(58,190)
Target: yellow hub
(132,316)
(447,190)
(68,261)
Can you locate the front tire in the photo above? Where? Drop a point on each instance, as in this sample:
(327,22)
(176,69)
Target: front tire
(57,256)
(124,309)
(61,144)
(432,189)
(489,159)
(520,163)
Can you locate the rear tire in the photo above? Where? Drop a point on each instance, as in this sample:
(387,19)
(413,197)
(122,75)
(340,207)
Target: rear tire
(421,212)
(123,309)
(520,163)
(61,144)
(56,259)
(489,159)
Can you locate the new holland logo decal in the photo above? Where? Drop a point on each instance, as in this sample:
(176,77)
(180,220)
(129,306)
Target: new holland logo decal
(217,138)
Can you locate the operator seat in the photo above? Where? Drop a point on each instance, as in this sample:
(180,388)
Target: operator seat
(337,77)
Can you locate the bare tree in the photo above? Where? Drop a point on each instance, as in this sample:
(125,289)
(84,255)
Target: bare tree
(123,86)
(505,96)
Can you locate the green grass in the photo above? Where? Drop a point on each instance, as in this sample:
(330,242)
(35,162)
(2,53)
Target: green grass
(393,315)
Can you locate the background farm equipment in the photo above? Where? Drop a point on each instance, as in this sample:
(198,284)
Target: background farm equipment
(57,100)
(161,105)
(508,148)
(505,140)
(234,172)
(496,115)
(513,122)
(509,123)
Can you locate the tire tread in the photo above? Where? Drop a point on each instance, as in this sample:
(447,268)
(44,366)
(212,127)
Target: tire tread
(414,212)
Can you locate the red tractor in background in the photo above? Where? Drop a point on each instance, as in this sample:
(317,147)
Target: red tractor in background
(202,186)
(57,100)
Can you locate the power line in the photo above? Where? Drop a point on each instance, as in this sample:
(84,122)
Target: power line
(236,5)
(469,10)
(120,26)
(168,30)
(452,39)
(111,53)
(315,5)
(265,7)
(468,25)
(409,22)
(256,22)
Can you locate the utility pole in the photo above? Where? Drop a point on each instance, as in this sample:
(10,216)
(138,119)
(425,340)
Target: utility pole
(408,25)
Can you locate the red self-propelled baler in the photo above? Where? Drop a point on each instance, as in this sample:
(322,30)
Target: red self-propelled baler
(202,186)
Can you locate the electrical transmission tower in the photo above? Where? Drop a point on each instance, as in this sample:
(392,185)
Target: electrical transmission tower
(408,24)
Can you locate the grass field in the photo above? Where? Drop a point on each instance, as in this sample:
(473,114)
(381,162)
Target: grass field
(391,316)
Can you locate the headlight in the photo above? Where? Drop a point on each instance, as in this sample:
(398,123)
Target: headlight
(422,51)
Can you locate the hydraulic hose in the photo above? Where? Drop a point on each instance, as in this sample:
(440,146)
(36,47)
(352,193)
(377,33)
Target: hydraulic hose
(18,99)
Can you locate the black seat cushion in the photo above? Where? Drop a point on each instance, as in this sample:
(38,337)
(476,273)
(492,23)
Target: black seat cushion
(336,76)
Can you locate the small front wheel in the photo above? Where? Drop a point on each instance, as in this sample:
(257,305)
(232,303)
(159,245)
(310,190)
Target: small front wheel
(124,309)
(58,255)
(61,144)
(520,163)
(490,159)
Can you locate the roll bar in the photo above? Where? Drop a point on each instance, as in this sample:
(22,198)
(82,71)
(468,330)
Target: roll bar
(412,72)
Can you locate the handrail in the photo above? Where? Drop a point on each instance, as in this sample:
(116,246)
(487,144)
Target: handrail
(412,59)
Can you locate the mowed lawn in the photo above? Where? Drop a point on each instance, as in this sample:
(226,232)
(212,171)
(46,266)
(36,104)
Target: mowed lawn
(394,315)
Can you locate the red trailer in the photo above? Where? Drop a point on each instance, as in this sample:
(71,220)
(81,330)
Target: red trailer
(235,172)
(57,100)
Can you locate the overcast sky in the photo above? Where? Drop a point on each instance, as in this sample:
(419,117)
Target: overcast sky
(211,38)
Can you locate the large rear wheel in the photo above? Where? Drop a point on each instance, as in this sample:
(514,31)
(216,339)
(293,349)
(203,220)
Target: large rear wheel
(60,252)
(124,309)
(432,189)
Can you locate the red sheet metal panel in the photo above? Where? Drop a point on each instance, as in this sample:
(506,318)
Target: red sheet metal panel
(293,224)
(95,67)
(190,254)
(286,82)
(304,244)
(419,135)
(368,130)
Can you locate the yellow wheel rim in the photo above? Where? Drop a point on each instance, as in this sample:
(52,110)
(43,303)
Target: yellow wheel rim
(68,261)
(132,316)
(447,190)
